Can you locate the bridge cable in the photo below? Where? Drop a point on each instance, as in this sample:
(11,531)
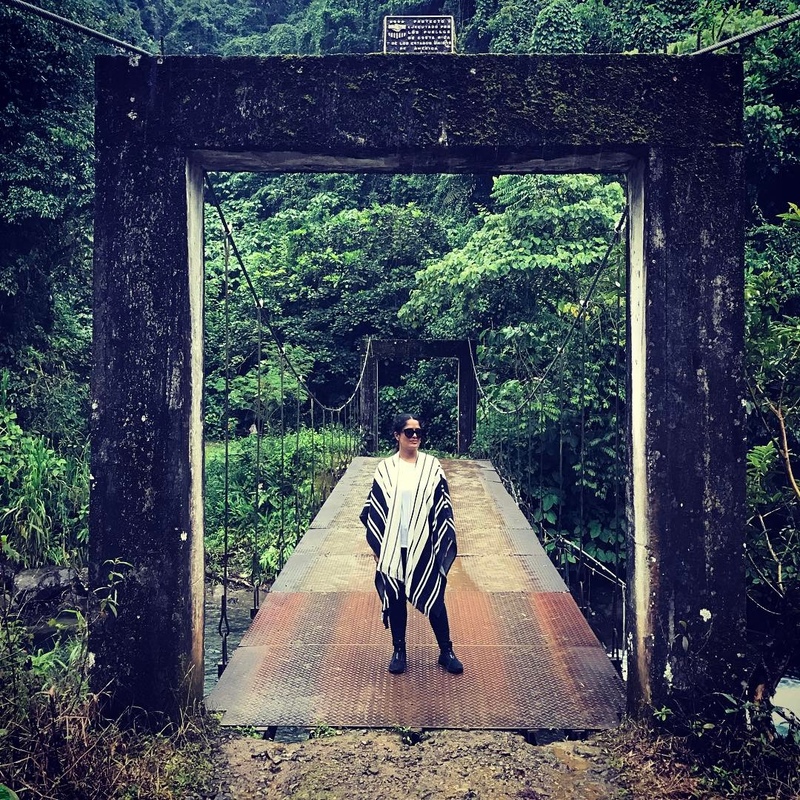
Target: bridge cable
(259,423)
(581,311)
(230,247)
(282,536)
(617,637)
(582,461)
(529,435)
(587,560)
(590,562)
(273,331)
(29,8)
(224,627)
(542,418)
(312,486)
(778,23)
(296,459)
(561,435)
(76,26)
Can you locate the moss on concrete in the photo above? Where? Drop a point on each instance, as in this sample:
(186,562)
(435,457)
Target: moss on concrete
(381,105)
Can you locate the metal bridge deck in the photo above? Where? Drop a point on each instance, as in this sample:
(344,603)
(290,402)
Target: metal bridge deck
(317,652)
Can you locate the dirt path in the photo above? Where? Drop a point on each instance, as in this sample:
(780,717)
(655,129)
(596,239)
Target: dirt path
(442,765)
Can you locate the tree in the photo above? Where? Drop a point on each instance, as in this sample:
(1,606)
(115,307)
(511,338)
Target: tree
(771,87)
(46,185)
(557,30)
(331,276)
(524,259)
(511,26)
(206,26)
(518,284)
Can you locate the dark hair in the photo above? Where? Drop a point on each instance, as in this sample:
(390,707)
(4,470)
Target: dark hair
(400,421)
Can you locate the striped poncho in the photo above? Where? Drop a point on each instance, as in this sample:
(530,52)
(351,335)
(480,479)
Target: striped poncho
(431,536)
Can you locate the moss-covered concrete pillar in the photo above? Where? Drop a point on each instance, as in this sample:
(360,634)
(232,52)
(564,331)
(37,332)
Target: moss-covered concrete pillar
(686,493)
(147,458)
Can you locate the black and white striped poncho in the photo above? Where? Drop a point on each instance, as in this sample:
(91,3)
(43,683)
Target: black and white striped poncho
(431,536)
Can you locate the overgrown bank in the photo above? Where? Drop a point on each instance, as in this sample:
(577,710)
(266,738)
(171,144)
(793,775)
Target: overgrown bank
(198,761)
(633,761)
(55,743)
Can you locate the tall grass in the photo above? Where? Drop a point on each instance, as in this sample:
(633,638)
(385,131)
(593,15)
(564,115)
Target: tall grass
(44,496)
(55,743)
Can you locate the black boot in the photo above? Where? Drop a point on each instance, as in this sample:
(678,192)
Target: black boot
(448,660)
(398,663)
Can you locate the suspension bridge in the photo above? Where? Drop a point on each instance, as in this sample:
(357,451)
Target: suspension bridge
(163,123)
(317,651)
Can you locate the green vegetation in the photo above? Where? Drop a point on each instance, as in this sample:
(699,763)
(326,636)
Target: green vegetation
(711,762)
(323,732)
(503,260)
(44,496)
(295,473)
(517,285)
(773,346)
(55,741)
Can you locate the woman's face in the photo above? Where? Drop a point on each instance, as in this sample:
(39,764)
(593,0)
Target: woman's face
(408,443)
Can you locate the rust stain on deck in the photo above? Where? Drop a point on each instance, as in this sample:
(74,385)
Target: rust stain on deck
(317,651)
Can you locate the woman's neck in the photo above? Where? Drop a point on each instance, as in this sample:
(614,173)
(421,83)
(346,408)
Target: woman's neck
(411,458)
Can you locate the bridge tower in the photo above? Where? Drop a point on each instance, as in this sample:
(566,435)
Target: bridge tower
(672,125)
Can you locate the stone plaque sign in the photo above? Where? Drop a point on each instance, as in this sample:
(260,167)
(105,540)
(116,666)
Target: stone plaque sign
(419,35)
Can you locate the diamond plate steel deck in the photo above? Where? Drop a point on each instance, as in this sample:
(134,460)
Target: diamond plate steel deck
(317,651)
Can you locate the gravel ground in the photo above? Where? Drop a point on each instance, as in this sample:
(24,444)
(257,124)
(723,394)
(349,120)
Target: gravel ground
(412,765)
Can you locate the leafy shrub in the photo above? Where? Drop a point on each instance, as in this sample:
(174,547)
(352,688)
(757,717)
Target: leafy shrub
(296,473)
(55,743)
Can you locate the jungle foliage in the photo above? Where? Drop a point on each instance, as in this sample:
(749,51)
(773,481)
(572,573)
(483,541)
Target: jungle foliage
(507,261)
(55,741)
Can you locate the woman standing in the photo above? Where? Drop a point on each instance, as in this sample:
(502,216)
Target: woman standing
(409,522)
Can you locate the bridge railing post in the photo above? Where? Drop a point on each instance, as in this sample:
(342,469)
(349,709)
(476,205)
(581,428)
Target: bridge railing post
(369,403)
(467,397)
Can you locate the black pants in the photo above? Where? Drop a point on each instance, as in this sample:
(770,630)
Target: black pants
(398,617)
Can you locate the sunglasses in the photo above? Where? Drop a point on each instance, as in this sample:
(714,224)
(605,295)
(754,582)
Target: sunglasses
(411,433)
